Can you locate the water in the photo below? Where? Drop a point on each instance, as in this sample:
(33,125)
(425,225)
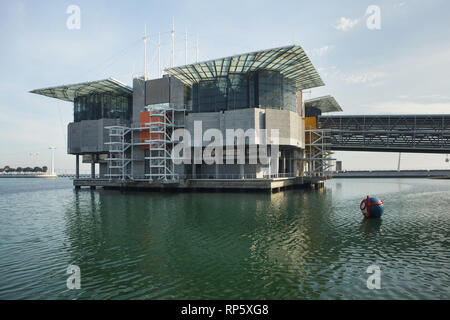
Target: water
(298,244)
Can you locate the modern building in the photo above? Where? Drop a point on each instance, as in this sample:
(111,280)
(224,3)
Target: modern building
(129,132)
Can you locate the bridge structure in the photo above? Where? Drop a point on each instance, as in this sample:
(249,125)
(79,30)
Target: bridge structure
(386,133)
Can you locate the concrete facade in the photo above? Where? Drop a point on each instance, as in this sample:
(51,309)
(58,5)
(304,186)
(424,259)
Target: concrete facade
(89,136)
(289,124)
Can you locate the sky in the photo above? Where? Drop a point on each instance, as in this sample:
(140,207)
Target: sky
(402,67)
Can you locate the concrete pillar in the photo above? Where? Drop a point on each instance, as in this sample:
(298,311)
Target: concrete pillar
(77,167)
(194,171)
(93,166)
(242,170)
(291,167)
(217,171)
(294,163)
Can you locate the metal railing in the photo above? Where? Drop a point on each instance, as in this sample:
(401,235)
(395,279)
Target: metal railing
(246,176)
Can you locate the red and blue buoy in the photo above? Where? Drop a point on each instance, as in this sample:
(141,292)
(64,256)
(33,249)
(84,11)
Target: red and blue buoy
(372,207)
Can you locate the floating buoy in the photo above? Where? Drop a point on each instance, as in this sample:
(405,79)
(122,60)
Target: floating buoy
(372,207)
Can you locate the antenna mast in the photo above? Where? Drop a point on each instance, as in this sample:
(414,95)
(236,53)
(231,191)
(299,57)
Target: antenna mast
(196,50)
(159,54)
(145,52)
(172,58)
(186,47)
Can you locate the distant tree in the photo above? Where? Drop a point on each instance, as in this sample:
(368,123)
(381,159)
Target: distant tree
(1,170)
(37,169)
(28,169)
(44,169)
(6,168)
(19,169)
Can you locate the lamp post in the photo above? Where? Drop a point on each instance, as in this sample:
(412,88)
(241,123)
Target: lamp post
(53,160)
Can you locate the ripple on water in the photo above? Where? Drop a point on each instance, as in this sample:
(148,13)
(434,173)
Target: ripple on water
(294,245)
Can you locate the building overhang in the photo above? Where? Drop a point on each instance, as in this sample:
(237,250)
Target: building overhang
(324,104)
(71,91)
(291,61)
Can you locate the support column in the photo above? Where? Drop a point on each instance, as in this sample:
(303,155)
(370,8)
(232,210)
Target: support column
(242,170)
(295,163)
(194,171)
(77,167)
(282,162)
(291,163)
(93,169)
(217,171)
(93,166)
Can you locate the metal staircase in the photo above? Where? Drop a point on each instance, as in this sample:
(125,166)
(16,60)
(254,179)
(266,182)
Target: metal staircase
(318,152)
(119,159)
(161,127)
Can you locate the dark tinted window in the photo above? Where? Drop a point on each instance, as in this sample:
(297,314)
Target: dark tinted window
(98,106)
(263,89)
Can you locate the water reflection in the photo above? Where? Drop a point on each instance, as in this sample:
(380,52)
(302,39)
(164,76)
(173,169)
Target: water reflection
(294,244)
(371,227)
(182,241)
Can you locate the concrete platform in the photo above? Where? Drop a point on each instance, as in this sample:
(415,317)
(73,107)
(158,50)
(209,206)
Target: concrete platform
(268,185)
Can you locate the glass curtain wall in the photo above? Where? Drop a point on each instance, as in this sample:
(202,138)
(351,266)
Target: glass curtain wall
(263,89)
(99,106)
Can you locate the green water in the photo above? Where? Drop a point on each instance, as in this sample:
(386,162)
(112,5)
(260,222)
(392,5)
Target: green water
(299,244)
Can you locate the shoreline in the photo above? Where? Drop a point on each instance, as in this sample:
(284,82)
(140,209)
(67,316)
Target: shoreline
(429,174)
(11,176)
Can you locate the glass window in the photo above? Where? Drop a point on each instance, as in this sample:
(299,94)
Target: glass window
(238,91)
(99,106)
(263,89)
(270,89)
(289,95)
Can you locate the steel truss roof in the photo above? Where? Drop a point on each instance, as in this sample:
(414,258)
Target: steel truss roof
(291,61)
(324,104)
(71,91)
(389,133)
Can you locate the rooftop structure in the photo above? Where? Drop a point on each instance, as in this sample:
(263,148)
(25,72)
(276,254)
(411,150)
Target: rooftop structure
(291,61)
(72,91)
(324,104)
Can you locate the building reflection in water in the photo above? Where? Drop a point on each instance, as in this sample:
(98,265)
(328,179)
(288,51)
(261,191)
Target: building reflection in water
(195,245)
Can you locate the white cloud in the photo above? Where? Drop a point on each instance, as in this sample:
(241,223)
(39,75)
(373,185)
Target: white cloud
(399,5)
(372,79)
(425,97)
(345,24)
(409,107)
(319,52)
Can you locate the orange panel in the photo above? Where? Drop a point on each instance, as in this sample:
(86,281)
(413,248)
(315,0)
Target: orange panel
(145,135)
(310,123)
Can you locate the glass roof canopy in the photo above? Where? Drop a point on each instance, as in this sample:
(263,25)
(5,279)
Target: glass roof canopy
(291,61)
(324,104)
(70,92)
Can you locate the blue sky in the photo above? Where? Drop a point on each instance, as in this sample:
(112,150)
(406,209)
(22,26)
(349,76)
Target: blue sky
(402,68)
